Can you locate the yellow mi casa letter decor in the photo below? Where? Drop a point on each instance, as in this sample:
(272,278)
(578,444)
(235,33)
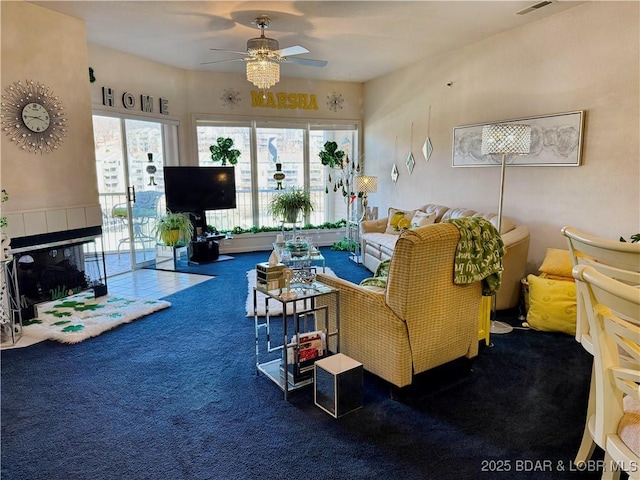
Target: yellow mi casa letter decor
(283,100)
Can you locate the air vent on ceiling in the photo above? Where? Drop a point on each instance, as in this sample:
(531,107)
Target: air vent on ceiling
(533,8)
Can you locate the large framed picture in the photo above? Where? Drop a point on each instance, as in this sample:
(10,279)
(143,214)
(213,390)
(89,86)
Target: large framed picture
(556,141)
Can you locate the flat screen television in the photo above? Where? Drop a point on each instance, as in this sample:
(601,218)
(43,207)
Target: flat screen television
(197,189)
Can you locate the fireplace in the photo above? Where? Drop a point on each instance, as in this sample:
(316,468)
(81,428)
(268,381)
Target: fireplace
(53,266)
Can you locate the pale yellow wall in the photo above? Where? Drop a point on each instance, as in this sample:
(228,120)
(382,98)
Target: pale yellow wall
(206,89)
(191,94)
(586,58)
(56,191)
(127,73)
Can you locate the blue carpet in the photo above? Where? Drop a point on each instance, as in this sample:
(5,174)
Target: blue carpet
(175,396)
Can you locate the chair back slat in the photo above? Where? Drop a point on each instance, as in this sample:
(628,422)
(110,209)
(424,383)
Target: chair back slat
(613,312)
(618,260)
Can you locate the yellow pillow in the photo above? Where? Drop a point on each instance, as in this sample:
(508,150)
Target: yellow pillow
(552,305)
(557,262)
(399,220)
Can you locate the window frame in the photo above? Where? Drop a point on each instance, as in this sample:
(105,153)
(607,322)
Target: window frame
(253,123)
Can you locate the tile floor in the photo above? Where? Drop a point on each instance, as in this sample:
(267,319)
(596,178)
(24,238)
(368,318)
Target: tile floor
(149,283)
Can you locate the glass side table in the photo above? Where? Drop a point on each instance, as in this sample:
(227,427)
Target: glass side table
(301,302)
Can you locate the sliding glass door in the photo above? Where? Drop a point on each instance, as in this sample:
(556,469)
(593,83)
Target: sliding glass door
(131,192)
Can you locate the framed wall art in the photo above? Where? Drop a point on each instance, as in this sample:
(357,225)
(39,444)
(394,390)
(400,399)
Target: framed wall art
(556,141)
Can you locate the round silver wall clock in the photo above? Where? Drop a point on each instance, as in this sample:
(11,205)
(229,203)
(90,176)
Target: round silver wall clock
(33,117)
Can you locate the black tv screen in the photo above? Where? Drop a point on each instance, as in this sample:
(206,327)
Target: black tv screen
(197,189)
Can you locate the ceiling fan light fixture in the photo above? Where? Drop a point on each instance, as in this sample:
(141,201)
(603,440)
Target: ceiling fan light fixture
(262,44)
(263,72)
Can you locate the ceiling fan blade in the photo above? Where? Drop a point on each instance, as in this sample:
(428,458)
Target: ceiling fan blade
(230,51)
(294,50)
(306,61)
(227,60)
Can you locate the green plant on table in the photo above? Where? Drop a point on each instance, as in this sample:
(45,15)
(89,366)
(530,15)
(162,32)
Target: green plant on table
(173,228)
(288,205)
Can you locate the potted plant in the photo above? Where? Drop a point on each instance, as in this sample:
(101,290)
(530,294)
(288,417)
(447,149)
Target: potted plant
(288,205)
(224,152)
(173,228)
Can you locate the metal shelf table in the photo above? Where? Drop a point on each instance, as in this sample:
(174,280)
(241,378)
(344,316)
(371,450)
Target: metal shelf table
(353,235)
(11,312)
(301,307)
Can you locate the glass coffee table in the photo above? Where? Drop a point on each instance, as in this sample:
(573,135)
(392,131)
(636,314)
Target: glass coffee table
(299,260)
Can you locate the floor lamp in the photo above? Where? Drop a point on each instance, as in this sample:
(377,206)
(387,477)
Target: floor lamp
(504,139)
(365,184)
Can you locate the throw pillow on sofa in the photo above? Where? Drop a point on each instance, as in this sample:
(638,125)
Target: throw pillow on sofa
(420,219)
(399,220)
(379,279)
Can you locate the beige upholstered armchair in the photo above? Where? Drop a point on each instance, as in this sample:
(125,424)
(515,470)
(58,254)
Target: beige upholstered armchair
(421,319)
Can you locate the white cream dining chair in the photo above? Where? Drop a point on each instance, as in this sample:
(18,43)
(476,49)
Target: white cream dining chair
(613,312)
(618,260)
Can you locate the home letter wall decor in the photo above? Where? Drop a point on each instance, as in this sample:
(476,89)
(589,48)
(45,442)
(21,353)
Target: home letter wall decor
(129,101)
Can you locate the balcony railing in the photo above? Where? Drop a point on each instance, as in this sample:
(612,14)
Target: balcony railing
(115,229)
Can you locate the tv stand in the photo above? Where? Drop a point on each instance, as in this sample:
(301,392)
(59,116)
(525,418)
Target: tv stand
(205,249)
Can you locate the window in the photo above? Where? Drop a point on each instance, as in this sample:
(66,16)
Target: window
(293,145)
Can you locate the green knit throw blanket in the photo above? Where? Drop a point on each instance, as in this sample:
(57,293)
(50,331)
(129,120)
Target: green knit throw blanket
(478,254)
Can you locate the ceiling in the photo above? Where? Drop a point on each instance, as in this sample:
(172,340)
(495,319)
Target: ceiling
(361,40)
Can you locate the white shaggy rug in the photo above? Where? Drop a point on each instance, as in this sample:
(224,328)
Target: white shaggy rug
(78,317)
(275,308)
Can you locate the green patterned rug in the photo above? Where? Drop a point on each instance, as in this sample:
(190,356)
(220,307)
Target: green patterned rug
(78,317)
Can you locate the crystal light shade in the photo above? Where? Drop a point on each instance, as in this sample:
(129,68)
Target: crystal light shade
(506,138)
(366,184)
(263,72)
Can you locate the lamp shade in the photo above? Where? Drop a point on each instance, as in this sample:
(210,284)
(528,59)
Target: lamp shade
(506,138)
(366,184)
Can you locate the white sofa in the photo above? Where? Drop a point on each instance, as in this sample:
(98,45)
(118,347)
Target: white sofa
(378,245)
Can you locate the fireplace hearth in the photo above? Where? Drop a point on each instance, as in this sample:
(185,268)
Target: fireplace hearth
(65,264)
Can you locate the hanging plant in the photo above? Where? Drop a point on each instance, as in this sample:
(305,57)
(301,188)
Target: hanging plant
(331,156)
(223,151)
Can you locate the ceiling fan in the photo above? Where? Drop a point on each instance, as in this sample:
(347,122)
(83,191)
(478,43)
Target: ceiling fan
(264,56)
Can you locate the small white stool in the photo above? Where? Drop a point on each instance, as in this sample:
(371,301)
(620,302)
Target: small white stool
(337,386)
